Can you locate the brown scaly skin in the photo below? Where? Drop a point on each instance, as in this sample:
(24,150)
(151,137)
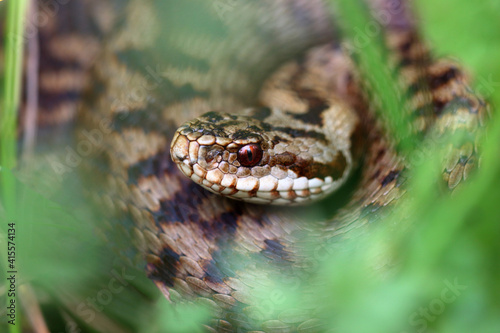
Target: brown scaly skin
(156,72)
(69,34)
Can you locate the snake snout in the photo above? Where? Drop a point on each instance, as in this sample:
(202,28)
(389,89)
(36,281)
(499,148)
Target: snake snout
(179,149)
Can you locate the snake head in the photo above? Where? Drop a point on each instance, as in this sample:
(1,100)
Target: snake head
(216,139)
(249,159)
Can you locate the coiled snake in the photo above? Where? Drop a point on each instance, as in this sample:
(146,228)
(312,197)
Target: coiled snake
(311,128)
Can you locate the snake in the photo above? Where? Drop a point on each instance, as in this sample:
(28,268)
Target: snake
(216,132)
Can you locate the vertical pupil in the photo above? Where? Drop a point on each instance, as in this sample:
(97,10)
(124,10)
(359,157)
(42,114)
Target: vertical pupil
(249,154)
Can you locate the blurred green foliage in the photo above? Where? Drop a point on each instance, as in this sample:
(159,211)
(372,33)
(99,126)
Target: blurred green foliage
(446,248)
(446,278)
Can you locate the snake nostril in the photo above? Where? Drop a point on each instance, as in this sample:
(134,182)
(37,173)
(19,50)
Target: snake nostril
(212,155)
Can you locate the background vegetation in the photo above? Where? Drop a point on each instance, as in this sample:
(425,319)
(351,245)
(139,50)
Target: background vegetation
(448,272)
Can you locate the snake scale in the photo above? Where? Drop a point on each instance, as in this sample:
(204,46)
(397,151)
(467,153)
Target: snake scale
(166,63)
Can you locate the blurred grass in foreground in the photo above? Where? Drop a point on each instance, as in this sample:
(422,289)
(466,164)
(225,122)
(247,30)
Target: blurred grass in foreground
(446,278)
(447,272)
(10,92)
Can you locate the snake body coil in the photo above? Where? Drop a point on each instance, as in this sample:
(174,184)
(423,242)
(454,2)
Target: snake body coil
(306,125)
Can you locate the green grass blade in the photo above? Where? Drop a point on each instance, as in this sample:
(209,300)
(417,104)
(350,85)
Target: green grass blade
(11,92)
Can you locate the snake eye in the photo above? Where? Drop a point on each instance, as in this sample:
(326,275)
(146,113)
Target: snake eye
(249,155)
